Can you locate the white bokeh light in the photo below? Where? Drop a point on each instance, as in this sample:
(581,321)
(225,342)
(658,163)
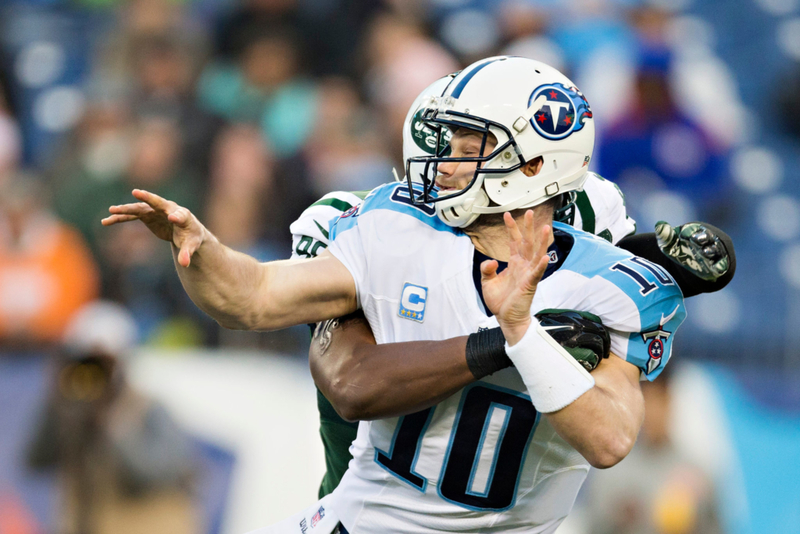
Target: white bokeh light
(718,312)
(789,265)
(40,63)
(788,36)
(670,5)
(689,35)
(779,217)
(757,169)
(666,206)
(538,48)
(777,7)
(679,149)
(713,98)
(470,32)
(59,108)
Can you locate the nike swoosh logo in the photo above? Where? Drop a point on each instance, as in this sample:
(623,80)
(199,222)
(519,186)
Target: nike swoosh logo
(665,320)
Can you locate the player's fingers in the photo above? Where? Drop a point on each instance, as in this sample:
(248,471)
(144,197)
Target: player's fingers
(542,241)
(529,241)
(180,216)
(513,230)
(188,248)
(540,267)
(151,199)
(135,208)
(114,219)
(488,270)
(534,275)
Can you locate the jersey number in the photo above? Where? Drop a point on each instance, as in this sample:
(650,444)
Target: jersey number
(633,268)
(487,448)
(305,244)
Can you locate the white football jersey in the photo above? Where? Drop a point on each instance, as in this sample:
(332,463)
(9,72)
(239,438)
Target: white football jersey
(483,460)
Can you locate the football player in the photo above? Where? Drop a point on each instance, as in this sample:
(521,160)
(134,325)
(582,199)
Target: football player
(382,383)
(510,451)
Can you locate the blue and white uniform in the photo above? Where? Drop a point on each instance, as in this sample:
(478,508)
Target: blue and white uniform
(483,460)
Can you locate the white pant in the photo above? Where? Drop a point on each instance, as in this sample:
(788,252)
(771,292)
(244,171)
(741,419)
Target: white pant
(316,519)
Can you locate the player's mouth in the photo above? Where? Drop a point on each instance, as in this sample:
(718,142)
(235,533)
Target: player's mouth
(442,188)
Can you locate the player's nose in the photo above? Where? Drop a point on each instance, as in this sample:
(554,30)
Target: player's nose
(446,168)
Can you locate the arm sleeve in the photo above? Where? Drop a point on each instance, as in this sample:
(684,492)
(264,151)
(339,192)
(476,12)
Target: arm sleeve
(646,246)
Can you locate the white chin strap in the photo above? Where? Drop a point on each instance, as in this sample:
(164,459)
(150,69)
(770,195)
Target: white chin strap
(460,212)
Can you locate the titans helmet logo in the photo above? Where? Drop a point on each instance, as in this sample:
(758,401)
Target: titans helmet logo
(558,110)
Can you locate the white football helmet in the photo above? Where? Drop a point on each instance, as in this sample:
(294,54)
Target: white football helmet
(532,110)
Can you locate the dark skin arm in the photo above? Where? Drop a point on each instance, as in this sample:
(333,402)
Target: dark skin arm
(365,381)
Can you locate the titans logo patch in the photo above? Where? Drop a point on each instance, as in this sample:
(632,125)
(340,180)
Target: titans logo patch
(558,110)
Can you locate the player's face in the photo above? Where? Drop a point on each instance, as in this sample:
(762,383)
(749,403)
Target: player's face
(455,175)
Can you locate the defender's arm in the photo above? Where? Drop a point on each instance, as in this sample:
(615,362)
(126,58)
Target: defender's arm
(235,289)
(365,381)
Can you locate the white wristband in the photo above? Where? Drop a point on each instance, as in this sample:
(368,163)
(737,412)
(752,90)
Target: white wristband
(553,377)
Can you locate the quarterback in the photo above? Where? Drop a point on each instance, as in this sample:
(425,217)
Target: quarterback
(367,381)
(470,247)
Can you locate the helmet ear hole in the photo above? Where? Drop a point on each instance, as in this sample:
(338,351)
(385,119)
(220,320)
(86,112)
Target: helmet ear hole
(533,167)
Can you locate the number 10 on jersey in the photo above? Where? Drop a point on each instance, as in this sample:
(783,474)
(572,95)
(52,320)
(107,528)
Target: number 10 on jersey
(484,459)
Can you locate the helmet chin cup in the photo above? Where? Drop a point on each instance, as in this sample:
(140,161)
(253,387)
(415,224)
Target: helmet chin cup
(458,212)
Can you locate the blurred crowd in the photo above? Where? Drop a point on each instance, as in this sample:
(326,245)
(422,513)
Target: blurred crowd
(247,112)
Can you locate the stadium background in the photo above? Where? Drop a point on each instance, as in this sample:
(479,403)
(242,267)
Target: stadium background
(248,111)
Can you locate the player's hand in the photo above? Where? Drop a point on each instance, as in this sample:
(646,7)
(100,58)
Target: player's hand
(694,247)
(510,293)
(166,219)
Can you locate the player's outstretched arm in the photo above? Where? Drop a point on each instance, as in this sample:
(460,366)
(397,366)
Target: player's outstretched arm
(598,414)
(233,288)
(700,257)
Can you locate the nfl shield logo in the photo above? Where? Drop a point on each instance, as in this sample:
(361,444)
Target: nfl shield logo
(317,517)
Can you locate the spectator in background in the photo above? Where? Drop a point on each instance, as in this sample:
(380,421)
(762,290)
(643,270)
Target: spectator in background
(241,201)
(675,496)
(401,62)
(346,151)
(125,466)
(165,69)
(141,276)
(10,139)
(331,30)
(654,149)
(265,85)
(46,269)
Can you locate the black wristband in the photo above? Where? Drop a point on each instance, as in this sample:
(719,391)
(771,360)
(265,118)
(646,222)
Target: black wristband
(486,352)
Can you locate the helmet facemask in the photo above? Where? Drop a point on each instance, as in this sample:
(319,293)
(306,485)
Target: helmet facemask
(457,208)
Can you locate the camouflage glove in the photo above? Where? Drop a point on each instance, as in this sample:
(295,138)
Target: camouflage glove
(581,334)
(695,248)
